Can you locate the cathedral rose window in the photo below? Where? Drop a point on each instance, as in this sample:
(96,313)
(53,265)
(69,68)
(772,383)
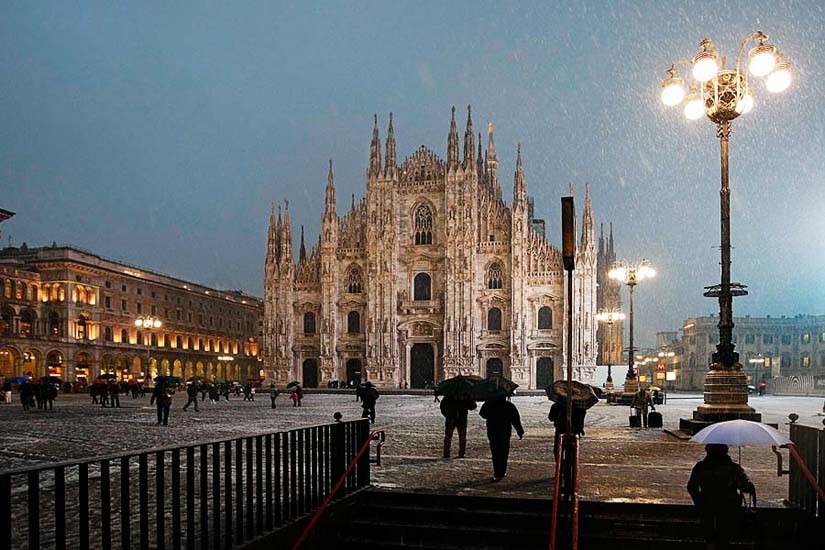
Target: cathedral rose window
(423,225)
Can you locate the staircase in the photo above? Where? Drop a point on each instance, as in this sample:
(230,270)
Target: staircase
(385,520)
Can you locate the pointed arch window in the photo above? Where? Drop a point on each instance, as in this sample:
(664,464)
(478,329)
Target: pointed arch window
(494,319)
(545,318)
(124,336)
(54,323)
(354,281)
(423,220)
(494,276)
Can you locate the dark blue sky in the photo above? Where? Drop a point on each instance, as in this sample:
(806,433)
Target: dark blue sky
(159,134)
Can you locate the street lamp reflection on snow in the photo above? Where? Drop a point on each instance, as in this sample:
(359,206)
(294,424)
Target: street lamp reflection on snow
(610,316)
(631,274)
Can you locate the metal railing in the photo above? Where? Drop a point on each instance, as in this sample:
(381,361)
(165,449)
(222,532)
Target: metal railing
(807,469)
(567,475)
(218,494)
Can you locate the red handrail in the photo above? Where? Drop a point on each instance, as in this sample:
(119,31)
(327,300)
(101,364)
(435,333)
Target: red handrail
(574,456)
(805,471)
(341,480)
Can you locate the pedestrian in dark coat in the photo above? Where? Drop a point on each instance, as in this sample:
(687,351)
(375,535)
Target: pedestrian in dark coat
(192,395)
(162,397)
(273,394)
(114,394)
(558,416)
(26,395)
(717,485)
(369,395)
(502,416)
(455,417)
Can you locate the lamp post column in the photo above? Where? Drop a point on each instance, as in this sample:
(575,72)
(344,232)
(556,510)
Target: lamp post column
(631,384)
(610,353)
(725,355)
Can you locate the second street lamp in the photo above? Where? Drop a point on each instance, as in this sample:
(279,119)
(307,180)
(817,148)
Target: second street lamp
(631,274)
(610,316)
(723,94)
(149,323)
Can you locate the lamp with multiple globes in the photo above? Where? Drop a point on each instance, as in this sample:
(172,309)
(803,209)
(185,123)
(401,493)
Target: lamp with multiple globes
(149,323)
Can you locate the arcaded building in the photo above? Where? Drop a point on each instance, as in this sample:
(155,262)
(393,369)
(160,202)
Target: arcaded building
(430,275)
(71,313)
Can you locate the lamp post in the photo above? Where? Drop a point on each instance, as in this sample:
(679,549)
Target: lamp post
(610,316)
(631,274)
(755,362)
(723,94)
(150,322)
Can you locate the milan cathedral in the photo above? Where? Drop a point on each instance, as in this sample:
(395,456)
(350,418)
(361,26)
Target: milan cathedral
(430,275)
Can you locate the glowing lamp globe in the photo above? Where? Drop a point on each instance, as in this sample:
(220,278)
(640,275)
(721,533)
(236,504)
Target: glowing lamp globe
(645,272)
(617,273)
(704,66)
(694,108)
(673,91)
(779,79)
(762,60)
(138,322)
(745,105)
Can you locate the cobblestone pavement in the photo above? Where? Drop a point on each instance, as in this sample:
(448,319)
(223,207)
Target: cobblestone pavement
(618,463)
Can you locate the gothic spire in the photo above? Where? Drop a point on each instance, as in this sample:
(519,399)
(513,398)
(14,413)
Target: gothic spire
(329,199)
(452,143)
(601,239)
(480,162)
(469,137)
(272,235)
(588,231)
(375,151)
(390,157)
(519,188)
(286,237)
(492,162)
(610,251)
(302,254)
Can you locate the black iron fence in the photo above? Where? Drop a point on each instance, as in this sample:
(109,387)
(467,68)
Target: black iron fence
(218,494)
(810,443)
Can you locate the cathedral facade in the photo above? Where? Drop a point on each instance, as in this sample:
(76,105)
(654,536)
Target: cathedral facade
(430,275)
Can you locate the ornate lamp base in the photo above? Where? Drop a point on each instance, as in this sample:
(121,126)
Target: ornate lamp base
(726,398)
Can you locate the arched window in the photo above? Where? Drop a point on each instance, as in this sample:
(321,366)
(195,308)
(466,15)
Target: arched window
(494,276)
(124,336)
(423,224)
(27,322)
(139,338)
(7,289)
(353,322)
(81,295)
(6,320)
(91,297)
(107,334)
(200,344)
(191,343)
(54,323)
(54,292)
(309,323)
(178,342)
(20,291)
(494,319)
(545,318)
(354,281)
(422,290)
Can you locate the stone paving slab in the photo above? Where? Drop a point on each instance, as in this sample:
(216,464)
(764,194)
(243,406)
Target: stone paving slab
(618,463)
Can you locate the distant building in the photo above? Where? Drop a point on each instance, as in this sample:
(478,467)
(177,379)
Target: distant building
(70,313)
(780,347)
(431,275)
(608,297)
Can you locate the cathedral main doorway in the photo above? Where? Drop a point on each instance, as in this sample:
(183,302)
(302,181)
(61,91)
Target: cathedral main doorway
(353,372)
(544,372)
(422,366)
(309,373)
(495,367)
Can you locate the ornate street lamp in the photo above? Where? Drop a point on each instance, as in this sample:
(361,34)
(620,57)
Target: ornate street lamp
(610,316)
(631,274)
(149,323)
(723,94)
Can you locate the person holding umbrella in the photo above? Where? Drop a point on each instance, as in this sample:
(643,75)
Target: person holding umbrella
(501,416)
(162,395)
(455,412)
(369,395)
(717,486)
(192,395)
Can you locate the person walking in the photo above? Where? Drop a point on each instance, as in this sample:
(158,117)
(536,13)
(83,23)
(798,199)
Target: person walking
(455,418)
(369,395)
(7,390)
(192,395)
(642,403)
(502,416)
(26,395)
(162,398)
(214,396)
(296,396)
(717,486)
(558,416)
(273,393)
(114,394)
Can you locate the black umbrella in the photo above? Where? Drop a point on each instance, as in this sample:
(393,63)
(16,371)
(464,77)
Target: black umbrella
(583,395)
(457,386)
(494,387)
(293,384)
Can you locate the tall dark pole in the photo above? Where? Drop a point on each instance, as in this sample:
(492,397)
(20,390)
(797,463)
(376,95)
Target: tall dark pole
(569,401)
(610,351)
(725,355)
(630,374)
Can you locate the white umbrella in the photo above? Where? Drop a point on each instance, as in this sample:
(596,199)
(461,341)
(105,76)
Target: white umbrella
(740,433)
